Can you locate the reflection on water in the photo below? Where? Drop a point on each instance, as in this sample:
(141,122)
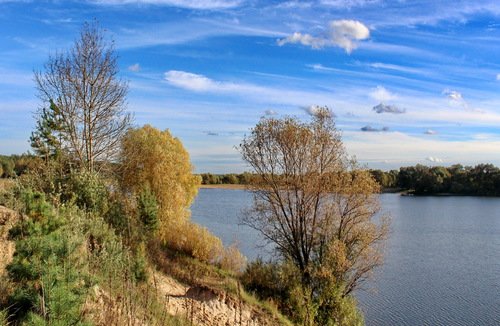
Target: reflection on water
(443,263)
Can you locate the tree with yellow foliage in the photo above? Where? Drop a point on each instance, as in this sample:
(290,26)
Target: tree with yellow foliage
(155,164)
(318,208)
(153,159)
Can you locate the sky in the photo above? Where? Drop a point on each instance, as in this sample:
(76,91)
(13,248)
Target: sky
(410,82)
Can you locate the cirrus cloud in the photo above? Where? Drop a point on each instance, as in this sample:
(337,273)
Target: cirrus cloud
(340,33)
(201,83)
(189,4)
(136,67)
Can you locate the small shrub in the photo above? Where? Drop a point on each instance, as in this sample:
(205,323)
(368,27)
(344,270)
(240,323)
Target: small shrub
(148,208)
(49,274)
(88,191)
(263,279)
(232,259)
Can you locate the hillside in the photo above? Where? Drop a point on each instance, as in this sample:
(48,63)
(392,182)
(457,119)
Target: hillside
(201,303)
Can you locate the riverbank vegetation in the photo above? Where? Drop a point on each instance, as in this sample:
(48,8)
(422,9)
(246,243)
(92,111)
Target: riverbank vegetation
(479,180)
(99,214)
(99,218)
(318,208)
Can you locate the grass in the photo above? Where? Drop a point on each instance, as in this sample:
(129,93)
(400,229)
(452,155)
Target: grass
(6,184)
(195,273)
(78,270)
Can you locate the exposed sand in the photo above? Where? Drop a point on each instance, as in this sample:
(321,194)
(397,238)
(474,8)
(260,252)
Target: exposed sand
(202,305)
(7,247)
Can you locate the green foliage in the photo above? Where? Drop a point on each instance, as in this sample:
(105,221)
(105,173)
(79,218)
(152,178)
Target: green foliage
(483,179)
(48,270)
(7,165)
(46,139)
(148,208)
(231,178)
(385,179)
(281,284)
(210,179)
(87,190)
(263,279)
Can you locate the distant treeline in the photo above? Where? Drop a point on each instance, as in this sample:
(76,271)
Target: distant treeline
(480,180)
(231,178)
(14,165)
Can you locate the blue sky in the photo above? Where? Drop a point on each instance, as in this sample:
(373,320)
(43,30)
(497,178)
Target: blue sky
(409,81)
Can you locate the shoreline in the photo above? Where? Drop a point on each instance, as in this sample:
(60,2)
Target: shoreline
(223,186)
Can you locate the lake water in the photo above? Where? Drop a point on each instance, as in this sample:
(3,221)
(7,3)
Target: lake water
(443,258)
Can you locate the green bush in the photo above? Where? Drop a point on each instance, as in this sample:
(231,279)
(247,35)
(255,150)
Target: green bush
(48,270)
(88,191)
(7,165)
(147,206)
(263,279)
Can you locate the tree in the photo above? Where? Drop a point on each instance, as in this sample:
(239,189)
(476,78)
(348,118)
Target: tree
(153,159)
(83,84)
(316,206)
(45,140)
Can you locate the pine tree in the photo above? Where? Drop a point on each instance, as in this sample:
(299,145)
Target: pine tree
(46,139)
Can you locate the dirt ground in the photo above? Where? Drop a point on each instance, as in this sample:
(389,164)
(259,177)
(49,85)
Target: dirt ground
(7,219)
(199,304)
(202,305)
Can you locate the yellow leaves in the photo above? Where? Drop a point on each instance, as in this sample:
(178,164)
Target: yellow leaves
(154,157)
(314,201)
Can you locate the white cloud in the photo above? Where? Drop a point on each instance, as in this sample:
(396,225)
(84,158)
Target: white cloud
(382,108)
(382,94)
(311,109)
(136,67)
(270,112)
(434,159)
(498,77)
(380,65)
(190,4)
(262,94)
(200,83)
(456,97)
(341,33)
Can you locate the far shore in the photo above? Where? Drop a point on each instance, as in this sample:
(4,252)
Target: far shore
(223,186)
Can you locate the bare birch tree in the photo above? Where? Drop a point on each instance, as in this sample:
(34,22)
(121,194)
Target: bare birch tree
(83,83)
(314,204)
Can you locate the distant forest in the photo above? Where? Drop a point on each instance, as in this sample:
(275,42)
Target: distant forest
(480,180)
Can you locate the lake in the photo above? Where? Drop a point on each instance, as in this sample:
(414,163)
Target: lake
(443,258)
